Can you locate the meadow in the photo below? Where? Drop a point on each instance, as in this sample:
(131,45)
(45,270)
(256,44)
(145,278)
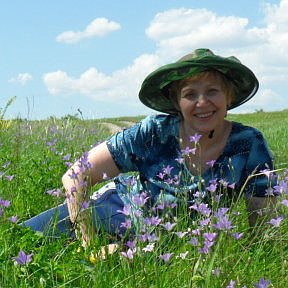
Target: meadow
(35,154)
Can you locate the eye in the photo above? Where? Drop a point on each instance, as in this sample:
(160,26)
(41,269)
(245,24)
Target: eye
(191,95)
(213,92)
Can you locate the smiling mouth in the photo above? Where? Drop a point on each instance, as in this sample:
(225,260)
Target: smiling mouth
(204,115)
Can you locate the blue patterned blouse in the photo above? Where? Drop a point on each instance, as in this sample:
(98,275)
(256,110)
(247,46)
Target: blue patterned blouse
(152,149)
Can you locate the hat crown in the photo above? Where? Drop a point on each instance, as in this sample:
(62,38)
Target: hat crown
(201,53)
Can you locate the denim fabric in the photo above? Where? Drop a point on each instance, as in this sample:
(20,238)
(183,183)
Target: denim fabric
(153,144)
(106,216)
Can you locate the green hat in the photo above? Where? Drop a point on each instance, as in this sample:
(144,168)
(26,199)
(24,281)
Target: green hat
(153,92)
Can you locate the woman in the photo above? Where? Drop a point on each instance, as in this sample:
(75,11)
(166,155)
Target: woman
(181,152)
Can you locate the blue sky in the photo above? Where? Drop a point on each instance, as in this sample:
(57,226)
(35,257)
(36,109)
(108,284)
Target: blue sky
(61,56)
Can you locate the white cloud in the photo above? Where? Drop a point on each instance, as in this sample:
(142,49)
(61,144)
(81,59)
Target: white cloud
(179,31)
(21,78)
(266,99)
(121,85)
(97,28)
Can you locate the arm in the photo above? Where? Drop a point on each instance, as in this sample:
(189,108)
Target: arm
(77,187)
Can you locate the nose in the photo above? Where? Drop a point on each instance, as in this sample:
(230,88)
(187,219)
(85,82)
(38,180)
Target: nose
(202,100)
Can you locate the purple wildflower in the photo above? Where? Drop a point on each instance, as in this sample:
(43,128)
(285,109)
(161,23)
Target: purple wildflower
(23,258)
(195,138)
(211,163)
(205,222)
(263,283)
(232,284)
(202,208)
(221,212)
(276,221)
(55,192)
(166,257)
(183,255)
(216,272)
(152,237)
(126,210)
(232,185)
(127,224)
(188,151)
(13,219)
(85,205)
(269,192)
(149,247)
(73,175)
(237,235)
(51,143)
(285,202)
(153,221)
(129,254)
(266,172)
(67,157)
(180,160)
(194,241)
(210,236)
(140,199)
(169,226)
(212,188)
(167,170)
(5,203)
(181,234)
(131,244)
(105,176)
(10,177)
(282,188)
(224,223)
(1,211)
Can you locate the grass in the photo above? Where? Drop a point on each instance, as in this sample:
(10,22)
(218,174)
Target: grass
(32,162)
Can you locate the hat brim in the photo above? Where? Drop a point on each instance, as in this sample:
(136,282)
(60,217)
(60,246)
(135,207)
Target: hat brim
(152,92)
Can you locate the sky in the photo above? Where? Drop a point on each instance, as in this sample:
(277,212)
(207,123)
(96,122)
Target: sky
(59,57)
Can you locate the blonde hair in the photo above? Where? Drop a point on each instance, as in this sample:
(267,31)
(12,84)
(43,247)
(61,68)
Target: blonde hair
(226,85)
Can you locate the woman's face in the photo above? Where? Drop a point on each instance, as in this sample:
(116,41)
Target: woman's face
(203,103)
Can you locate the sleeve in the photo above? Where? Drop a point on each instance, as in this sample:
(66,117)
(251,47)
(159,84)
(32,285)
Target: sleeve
(260,159)
(128,147)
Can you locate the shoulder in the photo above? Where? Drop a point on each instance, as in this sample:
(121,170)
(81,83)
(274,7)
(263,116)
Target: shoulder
(243,137)
(161,124)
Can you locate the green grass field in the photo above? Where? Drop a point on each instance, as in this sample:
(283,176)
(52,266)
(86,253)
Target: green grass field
(33,156)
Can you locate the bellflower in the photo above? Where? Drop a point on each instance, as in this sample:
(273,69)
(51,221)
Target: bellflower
(183,255)
(23,258)
(195,138)
(211,163)
(169,226)
(188,151)
(285,202)
(153,221)
(5,203)
(232,284)
(140,199)
(202,208)
(276,221)
(181,234)
(126,210)
(224,223)
(149,247)
(166,257)
(263,283)
(55,192)
(129,254)
(281,188)
(14,219)
(194,241)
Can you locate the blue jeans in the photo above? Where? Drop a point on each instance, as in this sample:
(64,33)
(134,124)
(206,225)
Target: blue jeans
(104,205)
